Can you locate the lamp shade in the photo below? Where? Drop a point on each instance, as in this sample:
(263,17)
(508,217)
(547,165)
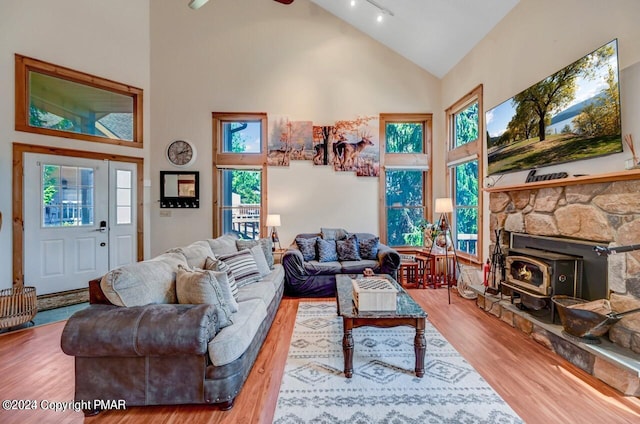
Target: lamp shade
(273,220)
(197,4)
(444,204)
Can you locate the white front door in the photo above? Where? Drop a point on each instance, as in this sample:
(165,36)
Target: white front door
(71,222)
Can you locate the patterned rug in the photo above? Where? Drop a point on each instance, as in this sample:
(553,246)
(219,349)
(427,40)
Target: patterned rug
(384,388)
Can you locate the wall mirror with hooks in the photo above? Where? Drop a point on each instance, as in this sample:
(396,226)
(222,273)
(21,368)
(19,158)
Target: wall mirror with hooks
(179,189)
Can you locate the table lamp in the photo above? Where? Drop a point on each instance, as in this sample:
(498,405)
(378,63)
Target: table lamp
(273,221)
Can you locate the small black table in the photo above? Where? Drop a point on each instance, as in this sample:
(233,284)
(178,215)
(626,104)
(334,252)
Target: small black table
(407,312)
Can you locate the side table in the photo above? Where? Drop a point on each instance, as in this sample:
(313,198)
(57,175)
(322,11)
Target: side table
(277,255)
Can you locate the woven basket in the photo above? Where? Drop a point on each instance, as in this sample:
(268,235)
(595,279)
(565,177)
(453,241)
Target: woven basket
(17,306)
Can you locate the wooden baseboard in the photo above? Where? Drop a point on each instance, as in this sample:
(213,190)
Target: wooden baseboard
(58,300)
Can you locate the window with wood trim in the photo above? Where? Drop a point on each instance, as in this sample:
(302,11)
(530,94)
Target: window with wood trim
(464,137)
(240,173)
(58,101)
(405,180)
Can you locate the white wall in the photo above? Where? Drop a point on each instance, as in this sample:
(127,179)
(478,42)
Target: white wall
(105,38)
(538,38)
(261,56)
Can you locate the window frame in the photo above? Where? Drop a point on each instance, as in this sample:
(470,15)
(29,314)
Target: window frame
(467,152)
(405,161)
(24,65)
(237,161)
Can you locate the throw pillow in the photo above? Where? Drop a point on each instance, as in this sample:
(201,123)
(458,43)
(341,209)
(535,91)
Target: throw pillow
(265,243)
(223,245)
(307,247)
(201,287)
(327,250)
(214,264)
(243,267)
(334,233)
(369,248)
(196,253)
(348,249)
(261,261)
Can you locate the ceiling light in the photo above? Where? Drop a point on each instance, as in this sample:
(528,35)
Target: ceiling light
(353,3)
(379,18)
(197,4)
(383,10)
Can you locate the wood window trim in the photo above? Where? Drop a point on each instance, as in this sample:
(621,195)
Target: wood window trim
(408,160)
(470,151)
(240,161)
(24,65)
(19,149)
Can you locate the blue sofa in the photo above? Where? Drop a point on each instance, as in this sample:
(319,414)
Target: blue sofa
(315,278)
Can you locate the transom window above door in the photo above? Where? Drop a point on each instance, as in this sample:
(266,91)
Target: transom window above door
(58,101)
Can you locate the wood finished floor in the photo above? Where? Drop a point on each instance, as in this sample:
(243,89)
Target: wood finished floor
(540,386)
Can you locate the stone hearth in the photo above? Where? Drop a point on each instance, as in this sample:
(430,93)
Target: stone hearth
(603,212)
(614,365)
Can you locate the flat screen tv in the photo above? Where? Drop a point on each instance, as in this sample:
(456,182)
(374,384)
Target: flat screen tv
(571,115)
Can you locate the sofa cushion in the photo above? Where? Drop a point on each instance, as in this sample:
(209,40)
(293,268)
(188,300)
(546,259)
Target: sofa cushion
(368,247)
(326,250)
(231,342)
(261,261)
(200,286)
(322,268)
(275,277)
(348,249)
(356,267)
(142,283)
(243,267)
(223,245)
(215,264)
(265,243)
(263,290)
(307,247)
(334,233)
(196,253)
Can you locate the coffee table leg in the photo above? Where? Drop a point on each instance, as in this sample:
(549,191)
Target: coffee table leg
(347,348)
(420,346)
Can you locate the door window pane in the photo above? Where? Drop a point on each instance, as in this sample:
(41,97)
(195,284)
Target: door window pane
(405,137)
(67,196)
(241,198)
(405,207)
(123,196)
(242,137)
(466,207)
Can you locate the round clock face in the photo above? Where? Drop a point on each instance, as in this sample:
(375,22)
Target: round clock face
(181,153)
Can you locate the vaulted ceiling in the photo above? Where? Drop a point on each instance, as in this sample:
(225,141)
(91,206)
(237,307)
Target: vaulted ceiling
(434,34)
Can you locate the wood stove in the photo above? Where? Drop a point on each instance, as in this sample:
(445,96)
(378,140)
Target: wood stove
(544,273)
(536,275)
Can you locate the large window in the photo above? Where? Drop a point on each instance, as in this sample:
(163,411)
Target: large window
(58,101)
(406,183)
(464,151)
(239,180)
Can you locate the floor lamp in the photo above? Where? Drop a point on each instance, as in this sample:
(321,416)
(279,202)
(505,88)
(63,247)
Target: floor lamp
(444,206)
(273,221)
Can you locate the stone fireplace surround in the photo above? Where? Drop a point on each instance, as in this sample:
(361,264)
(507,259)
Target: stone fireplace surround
(601,209)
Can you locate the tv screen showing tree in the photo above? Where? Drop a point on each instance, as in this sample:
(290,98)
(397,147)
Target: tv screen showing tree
(571,115)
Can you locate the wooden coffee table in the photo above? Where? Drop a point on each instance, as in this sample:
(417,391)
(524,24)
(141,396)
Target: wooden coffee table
(407,312)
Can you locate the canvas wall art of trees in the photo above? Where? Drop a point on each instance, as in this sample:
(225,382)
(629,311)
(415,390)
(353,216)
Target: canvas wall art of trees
(571,115)
(289,140)
(347,145)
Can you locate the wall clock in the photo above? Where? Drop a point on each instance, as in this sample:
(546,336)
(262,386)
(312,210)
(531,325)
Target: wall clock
(181,153)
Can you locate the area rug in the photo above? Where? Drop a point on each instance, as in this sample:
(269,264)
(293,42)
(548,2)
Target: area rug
(384,388)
